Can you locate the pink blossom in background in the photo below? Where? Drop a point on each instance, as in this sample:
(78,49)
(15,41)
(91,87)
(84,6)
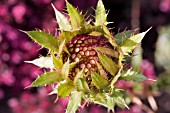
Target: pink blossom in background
(11,33)
(49,25)
(164,5)
(28,98)
(42,2)
(123,84)
(133,109)
(3,10)
(37,103)
(96,109)
(16,57)
(14,104)
(26,82)
(63,101)
(34,72)
(59,4)
(7,77)
(136,109)
(18,12)
(12,2)
(4,27)
(147,69)
(5,57)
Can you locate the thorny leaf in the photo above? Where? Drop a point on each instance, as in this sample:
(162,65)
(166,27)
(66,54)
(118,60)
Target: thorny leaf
(64,88)
(62,20)
(47,78)
(108,64)
(77,19)
(107,51)
(100,14)
(74,102)
(82,85)
(98,80)
(44,39)
(58,63)
(133,76)
(121,37)
(43,62)
(65,69)
(130,43)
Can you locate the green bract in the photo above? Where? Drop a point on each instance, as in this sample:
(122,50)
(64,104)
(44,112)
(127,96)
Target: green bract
(86,60)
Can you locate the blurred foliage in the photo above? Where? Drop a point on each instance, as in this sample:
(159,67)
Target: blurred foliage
(162,53)
(162,57)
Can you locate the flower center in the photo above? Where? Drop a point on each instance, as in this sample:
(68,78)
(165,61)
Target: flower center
(81,49)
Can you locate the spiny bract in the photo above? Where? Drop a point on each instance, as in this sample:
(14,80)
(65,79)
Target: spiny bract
(86,60)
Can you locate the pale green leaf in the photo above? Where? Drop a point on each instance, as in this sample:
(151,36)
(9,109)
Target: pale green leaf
(43,62)
(95,33)
(109,36)
(44,39)
(98,80)
(101,71)
(121,57)
(87,28)
(65,69)
(82,85)
(74,102)
(115,78)
(107,51)
(62,20)
(130,43)
(47,78)
(136,58)
(120,101)
(104,99)
(61,47)
(58,63)
(64,88)
(66,50)
(67,36)
(104,30)
(133,76)
(79,75)
(99,98)
(121,37)
(110,102)
(118,97)
(73,64)
(108,64)
(100,14)
(77,19)
(162,52)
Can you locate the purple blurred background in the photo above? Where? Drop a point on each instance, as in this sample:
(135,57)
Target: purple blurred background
(16,47)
